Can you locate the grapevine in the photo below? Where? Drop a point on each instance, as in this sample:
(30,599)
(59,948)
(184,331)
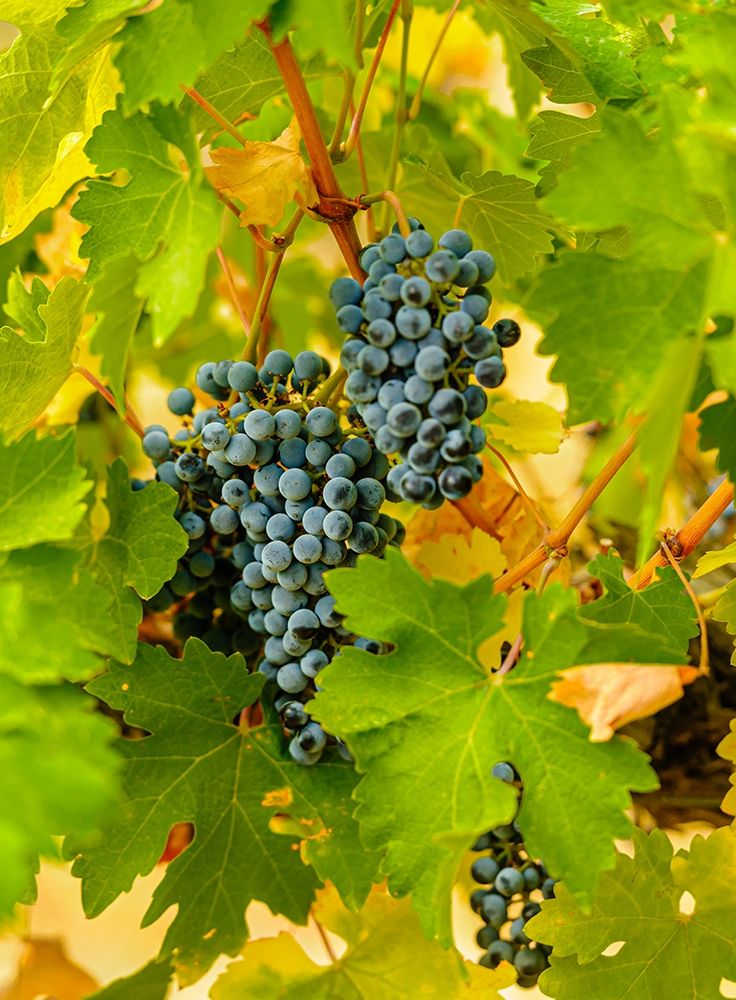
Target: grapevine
(366,504)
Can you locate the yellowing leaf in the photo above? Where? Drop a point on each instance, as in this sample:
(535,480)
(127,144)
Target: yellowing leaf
(44,133)
(460,558)
(534,428)
(608,695)
(46,970)
(727,749)
(714,560)
(264,176)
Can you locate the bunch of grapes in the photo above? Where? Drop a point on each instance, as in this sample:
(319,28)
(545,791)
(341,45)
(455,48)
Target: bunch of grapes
(512,885)
(272,492)
(416,336)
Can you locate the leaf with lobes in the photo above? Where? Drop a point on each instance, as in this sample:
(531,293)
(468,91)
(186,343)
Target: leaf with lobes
(670,948)
(426,724)
(198,766)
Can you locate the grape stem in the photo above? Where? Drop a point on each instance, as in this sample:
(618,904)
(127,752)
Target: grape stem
(417,102)
(391,199)
(329,385)
(273,244)
(215,115)
(346,148)
(239,308)
(559,538)
(129,416)
(325,940)
(522,492)
(250,350)
(400,116)
(703,665)
(338,216)
(681,543)
(370,221)
(342,114)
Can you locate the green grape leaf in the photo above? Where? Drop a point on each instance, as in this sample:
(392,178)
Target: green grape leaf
(554,137)
(45,640)
(662,608)
(139,552)
(320,28)
(605,58)
(519,29)
(426,723)
(600,313)
(532,427)
(41,491)
(499,211)
(165,216)
(23,305)
(88,26)
(152,982)
(725,611)
(678,953)
(242,79)
(717,422)
(172,43)
(727,749)
(32,371)
(58,775)
(118,313)
(387,957)
(197,766)
(43,134)
(563,79)
(646,188)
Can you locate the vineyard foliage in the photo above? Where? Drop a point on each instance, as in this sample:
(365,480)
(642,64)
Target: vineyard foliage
(534,681)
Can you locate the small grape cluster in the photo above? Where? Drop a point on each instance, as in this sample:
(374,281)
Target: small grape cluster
(416,336)
(512,886)
(272,493)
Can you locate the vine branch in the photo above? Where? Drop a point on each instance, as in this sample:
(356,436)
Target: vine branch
(129,416)
(333,206)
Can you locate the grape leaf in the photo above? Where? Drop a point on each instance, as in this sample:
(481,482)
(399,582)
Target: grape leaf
(519,29)
(717,422)
(23,304)
(43,134)
(663,607)
(172,43)
(139,552)
(532,427)
(725,611)
(45,640)
(197,766)
(565,82)
(599,313)
(321,28)
(432,779)
(264,176)
(727,749)
(387,957)
(554,137)
(666,952)
(57,775)
(33,371)
(242,79)
(152,982)
(118,313)
(499,211)
(41,491)
(88,26)
(44,960)
(165,216)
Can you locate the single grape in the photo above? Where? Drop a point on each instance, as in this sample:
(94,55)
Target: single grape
(490,372)
(457,241)
(345,291)
(156,445)
(485,870)
(291,679)
(509,881)
(181,401)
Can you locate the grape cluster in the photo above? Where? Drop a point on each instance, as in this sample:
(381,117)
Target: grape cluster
(272,493)
(512,885)
(416,336)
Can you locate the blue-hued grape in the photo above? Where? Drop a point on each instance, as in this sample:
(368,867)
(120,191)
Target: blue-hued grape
(503,771)
(181,401)
(509,881)
(205,378)
(280,528)
(321,421)
(448,406)
(484,262)
(339,493)
(345,291)
(292,453)
(381,333)
(313,520)
(350,318)
(359,450)
(442,266)
(490,372)
(467,274)
(485,870)
(390,286)
(457,241)
(500,951)
(325,611)
(403,352)
(493,909)
(312,737)
(458,327)
(276,555)
(413,322)
(308,366)
(215,436)
(337,525)
(189,467)
(307,549)
(224,520)
(455,482)
(193,524)
(431,363)
(313,661)
(340,465)
(291,679)
(475,306)
(302,756)
(240,450)
(416,291)
(392,248)
(295,484)
(287,423)
(363,538)
(240,597)
(304,623)
(202,564)
(166,473)
(419,243)
(507,332)
(156,445)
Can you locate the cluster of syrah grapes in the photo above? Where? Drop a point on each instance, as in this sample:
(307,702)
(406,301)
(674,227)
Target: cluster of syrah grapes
(512,885)
(272,493)
(416,336)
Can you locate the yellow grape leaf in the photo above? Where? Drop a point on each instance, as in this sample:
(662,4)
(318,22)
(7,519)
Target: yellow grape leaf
(46,970)
(264,176)
(727,749)
(58,248)
(526,426)
(714,560)
(608,695)
(459,558)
